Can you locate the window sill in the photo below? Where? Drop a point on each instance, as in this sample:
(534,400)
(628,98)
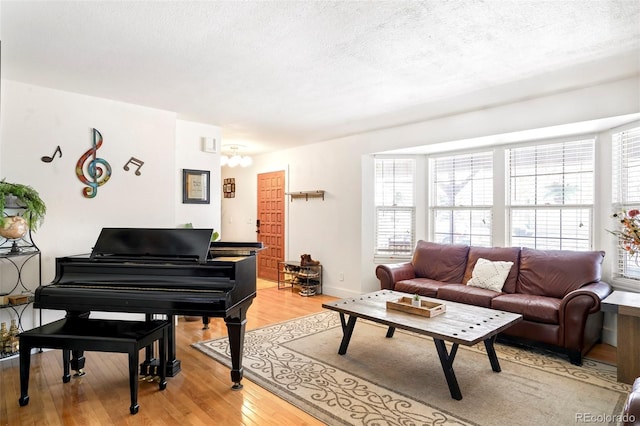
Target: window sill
(625,284)
(391,259)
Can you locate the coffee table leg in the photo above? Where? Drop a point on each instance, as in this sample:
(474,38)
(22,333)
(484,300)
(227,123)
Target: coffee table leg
(446,359)
(491,351)
(347,331)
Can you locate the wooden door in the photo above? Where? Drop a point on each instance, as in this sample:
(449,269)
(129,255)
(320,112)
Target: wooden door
(270,228)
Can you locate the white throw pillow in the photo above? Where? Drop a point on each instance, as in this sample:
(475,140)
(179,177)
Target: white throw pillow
(489,275)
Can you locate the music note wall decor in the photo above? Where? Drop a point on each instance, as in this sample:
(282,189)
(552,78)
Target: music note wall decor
(47,159)
(93,171)
(135,162)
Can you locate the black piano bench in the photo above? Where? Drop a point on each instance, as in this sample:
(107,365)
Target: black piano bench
(95,335)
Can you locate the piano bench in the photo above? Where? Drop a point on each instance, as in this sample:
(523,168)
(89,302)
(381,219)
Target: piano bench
(87,334)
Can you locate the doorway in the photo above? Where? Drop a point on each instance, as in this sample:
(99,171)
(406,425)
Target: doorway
(270,223)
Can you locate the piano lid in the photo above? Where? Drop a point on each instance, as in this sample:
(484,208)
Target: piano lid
(153,243)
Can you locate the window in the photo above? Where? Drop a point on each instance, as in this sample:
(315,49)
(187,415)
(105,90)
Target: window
(462,188)
(626,188)
(551,190)
(395,206)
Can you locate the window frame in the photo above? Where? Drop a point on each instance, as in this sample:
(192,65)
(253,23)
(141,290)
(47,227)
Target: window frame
(500,230)
(510,208)
(434,208)
(620,202)
(378,251)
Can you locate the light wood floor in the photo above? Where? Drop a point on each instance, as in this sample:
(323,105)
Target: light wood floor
(199,395)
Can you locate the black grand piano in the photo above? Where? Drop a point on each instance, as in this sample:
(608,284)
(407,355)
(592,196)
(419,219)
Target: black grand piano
(159,271)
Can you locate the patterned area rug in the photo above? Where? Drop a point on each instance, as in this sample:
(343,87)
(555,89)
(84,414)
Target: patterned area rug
(399,381)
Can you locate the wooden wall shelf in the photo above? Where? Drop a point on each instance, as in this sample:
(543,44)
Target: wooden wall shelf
(306,194)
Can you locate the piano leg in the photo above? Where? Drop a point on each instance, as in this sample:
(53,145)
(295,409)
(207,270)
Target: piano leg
(77,357)
(235,329)
(173,364)
(205,323)
(150,365)
(146,368)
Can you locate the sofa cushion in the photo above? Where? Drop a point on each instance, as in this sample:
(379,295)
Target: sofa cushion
(467,294)
(533,308)
(490,275)
(440,262)
(555,273)
(507,254)
(421,286)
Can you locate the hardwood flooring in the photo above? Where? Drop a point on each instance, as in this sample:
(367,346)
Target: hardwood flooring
(199,395)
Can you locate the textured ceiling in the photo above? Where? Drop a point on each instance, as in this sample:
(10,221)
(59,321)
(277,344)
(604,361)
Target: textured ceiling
(277,74)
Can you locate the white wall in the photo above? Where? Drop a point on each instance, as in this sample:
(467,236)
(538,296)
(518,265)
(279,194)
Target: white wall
(338,231)
(35,120)
(238,213)
(315,226)
(189,155)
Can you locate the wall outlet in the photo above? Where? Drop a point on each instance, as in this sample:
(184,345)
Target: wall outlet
(341,276)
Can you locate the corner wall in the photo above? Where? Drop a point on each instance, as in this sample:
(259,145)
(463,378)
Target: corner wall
(35,120)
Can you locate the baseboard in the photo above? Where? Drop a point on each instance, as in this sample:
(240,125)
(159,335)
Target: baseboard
(342,293)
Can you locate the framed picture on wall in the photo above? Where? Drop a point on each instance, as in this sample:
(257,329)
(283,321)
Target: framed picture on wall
(195,186)
(229,188)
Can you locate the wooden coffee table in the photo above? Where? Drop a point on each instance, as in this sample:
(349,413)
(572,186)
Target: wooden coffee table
(461,325)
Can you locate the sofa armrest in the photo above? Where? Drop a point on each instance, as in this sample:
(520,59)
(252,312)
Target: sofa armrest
(391,273)
(596,291)
(575,308)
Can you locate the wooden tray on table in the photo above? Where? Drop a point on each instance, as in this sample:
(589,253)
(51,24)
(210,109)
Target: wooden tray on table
(426,308)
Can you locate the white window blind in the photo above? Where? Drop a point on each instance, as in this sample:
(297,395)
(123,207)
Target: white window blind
(626,189)
(551,190)
(395,206)
(462,188)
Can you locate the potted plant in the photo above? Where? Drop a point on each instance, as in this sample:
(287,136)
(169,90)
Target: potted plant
(21,197)
(416,300)
(214,237)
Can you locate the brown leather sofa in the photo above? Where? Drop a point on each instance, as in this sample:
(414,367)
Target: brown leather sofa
(558,292)
(631,411)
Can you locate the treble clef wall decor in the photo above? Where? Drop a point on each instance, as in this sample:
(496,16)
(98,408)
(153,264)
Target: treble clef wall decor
(97,171)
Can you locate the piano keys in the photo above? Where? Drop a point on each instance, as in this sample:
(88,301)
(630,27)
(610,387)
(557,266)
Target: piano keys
(159,271)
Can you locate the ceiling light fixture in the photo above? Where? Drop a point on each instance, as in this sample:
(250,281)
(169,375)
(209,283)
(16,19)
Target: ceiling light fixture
(233,158)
